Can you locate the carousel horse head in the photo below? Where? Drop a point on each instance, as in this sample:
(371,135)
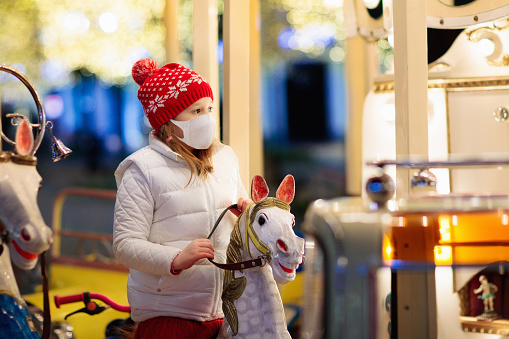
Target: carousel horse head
(263,231)
(21,222)
(269,229)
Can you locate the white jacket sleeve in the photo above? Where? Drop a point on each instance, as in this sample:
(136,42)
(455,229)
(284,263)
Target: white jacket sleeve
(134,208)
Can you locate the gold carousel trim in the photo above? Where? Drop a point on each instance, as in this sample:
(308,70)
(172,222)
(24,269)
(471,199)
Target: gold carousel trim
(460,84)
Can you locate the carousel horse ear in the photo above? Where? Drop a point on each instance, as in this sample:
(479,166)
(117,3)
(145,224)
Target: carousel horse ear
(286,190)
(259,188)
(24,138)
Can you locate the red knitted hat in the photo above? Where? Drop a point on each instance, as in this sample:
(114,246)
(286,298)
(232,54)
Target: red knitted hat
(166,92)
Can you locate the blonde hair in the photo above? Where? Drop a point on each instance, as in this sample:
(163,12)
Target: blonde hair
(199,160)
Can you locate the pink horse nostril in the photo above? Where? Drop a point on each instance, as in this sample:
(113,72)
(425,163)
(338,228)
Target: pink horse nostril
(282,246)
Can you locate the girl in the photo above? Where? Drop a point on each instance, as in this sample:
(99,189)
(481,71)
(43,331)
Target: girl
(170,194)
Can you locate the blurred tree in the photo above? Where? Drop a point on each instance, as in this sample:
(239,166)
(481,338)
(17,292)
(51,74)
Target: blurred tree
(19,40)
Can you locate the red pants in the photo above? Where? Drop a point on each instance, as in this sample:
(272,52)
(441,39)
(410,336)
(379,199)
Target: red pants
(176,328)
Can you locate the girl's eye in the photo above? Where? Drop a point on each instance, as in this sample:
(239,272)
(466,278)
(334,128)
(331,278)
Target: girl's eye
(210,109)
(196,111)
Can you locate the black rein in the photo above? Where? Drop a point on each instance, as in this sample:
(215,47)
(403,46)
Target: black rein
(241,265)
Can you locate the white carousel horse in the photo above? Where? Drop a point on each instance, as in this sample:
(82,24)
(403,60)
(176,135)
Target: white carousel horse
(251,301)
(23,232)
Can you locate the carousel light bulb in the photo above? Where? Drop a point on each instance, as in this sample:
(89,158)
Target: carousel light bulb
(371,4)
(387,249)
(424,221)
(390,38)
(486,47)
(489,43)
(443,255)
(445,228)
(505,219)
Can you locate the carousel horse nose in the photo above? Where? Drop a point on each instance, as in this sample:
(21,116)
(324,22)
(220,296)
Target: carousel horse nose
(282,245)
(26,234)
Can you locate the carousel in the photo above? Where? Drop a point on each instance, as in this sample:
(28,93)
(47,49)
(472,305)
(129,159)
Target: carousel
(424,251)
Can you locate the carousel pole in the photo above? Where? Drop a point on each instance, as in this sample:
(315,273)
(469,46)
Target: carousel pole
(205,46)
(255,124)
(172,48)
(236,82)
(415,293)
(411,86)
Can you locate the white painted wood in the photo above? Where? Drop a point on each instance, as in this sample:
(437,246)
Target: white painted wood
(172,44)
(411,85)
(256,162)
(236,82)
(416,312)
(205,47)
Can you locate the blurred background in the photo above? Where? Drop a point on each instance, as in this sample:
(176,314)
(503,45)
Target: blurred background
(79,56)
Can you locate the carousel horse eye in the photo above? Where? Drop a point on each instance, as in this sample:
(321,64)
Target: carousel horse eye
(25,235)
(261,220)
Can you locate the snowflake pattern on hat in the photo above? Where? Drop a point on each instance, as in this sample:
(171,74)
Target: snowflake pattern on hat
(157,102)
(167,91)
(173,92)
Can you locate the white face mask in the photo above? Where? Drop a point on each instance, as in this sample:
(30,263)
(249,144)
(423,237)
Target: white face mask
(198,132)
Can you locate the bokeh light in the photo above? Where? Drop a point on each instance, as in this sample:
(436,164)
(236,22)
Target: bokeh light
(108,22)
(314,27)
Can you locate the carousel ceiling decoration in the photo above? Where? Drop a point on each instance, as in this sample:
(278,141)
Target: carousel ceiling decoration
(490,43)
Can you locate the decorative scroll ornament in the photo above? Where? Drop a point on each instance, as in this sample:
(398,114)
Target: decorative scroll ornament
(496,56)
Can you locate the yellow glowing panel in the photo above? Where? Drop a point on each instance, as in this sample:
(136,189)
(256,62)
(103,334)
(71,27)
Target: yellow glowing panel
(443,255)
(480,255)
(387,250)
(479,227)
(445,228)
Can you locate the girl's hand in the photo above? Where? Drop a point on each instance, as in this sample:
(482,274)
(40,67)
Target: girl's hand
(242,204)
(196,250)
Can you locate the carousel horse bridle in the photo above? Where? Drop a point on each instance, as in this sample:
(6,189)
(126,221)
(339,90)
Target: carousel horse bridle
(260,246)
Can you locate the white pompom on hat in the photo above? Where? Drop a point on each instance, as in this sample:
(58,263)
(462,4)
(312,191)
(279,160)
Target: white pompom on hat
(167,91)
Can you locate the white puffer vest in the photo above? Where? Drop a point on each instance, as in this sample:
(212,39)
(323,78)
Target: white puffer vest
(156,216)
